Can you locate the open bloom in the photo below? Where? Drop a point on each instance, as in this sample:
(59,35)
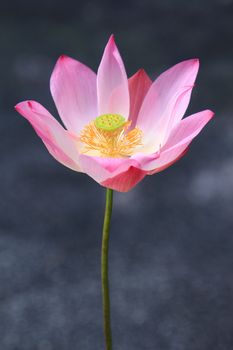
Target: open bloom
(117,130)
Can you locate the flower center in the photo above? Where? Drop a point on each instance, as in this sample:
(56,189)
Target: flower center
(108,136)
(109,122)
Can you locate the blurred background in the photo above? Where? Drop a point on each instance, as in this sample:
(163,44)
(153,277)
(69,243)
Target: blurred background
(171,249)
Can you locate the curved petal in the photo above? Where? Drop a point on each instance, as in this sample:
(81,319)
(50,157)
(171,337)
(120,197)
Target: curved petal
(188,128)
(53,135)
(167,159)
(125,181)
(177,143)
(73,87)
(112,83)
(167,165)
(102,169)
(167,101)
(139,85)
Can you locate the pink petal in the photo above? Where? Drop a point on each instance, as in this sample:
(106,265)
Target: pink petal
(139,85)
(112,83)
(102,169)
(177,143)
(53,135)
(188,128)
(73,87)
(125,181)
(167,165)
(167,159)
(167,101)
(120,174)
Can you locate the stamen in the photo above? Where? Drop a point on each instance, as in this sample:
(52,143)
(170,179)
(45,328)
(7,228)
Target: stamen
(107,135)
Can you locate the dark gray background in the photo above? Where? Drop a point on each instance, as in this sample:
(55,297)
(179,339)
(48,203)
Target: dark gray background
(171,250)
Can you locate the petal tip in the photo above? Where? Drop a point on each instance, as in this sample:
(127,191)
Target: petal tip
(195,62)
(112,38)
(62,57)
(19,106)
(211,113)
(141,71)
(111,42)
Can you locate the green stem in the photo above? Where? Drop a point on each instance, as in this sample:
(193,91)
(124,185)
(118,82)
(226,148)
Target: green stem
(104,270)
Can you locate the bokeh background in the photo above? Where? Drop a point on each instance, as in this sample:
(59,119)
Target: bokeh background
(171,249)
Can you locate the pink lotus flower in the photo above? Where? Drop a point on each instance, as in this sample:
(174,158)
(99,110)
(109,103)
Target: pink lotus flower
(117,130)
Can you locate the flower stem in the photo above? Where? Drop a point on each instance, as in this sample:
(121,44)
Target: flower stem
(104,270)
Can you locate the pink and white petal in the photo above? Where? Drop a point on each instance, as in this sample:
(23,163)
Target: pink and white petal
(112,83)
(125,181)
(188,128)
(73,87)
(102,169)
(177,143)
(167,101)
(167,165)
(180,138)
(53,135)
(160,161)
(167,158)
(144,159)
(139,85)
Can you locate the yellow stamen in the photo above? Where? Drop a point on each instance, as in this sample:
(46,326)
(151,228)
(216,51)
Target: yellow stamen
(108,135)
